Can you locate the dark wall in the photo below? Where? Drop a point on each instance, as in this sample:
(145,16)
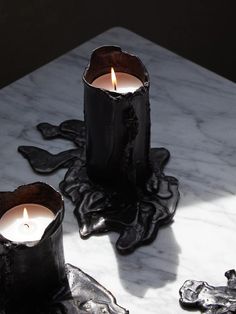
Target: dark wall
(34,32)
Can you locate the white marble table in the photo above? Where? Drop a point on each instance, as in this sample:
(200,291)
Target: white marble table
(194,116)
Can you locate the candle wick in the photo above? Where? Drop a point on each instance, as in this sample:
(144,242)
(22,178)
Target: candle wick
(26,225)
(115,86)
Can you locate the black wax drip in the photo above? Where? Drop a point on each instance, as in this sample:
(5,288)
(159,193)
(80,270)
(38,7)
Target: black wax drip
(135,212)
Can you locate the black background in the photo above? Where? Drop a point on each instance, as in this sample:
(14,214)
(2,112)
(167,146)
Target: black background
(34,32)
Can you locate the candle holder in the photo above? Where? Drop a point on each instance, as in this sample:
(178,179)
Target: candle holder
(201,296)
(117,124)
(21,262)
(33,275)
(114,179)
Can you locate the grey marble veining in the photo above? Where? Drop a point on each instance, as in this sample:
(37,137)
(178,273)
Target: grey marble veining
(193,115)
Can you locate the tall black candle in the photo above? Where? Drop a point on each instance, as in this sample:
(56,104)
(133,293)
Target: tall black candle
(117,138)
(117,124)
(30,270)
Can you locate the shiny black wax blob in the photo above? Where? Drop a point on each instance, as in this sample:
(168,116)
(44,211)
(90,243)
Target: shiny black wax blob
(199,295)
(33,276)
(117,125)
(136,212)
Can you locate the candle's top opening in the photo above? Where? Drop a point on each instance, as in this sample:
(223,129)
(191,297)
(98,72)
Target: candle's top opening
(25,222)
(107,57)
(121,82)
(37,193)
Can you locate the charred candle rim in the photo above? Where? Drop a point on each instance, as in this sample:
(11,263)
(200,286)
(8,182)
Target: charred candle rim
(105,57)
(37,193)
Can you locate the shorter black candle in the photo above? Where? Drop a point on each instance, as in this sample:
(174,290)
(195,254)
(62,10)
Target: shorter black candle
(32,270)
(117,124)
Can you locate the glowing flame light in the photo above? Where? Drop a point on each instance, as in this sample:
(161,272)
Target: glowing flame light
(113,79)
(25,217)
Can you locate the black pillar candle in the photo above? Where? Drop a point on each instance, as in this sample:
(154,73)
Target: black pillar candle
(31,270)
(117,124)
(117,183)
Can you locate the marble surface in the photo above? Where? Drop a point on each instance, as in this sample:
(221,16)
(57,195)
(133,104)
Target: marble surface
(193,115)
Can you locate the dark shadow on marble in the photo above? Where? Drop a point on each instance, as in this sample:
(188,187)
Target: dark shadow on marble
(149,267)
(152,266)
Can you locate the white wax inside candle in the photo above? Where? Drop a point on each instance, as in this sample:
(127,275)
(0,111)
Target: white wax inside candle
(15,227)
(125,82)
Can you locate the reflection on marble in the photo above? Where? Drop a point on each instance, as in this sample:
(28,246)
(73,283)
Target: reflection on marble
(193,115)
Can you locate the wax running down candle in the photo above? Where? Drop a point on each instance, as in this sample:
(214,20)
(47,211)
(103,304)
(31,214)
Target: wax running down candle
(25,222)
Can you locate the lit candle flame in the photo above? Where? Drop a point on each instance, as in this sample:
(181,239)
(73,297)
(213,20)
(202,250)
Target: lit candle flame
(113,79)
(25,217)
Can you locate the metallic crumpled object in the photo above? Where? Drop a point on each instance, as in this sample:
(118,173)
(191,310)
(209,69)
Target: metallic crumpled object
(210,300)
